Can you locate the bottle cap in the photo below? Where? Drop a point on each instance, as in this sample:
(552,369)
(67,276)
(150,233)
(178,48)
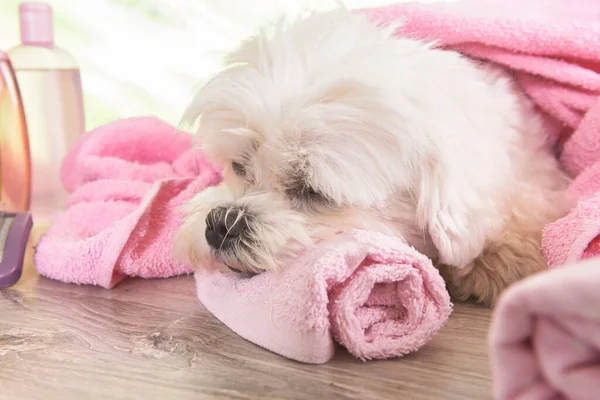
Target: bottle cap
(36,24)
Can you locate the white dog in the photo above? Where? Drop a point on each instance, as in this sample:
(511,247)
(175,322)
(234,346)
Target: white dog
(331,123)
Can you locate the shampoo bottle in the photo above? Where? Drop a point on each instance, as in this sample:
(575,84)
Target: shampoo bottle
(15,174)
(50,85)
(15,222)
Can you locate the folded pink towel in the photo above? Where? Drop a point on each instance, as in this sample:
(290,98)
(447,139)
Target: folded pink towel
(373,294)
(569,239)
(545,336)
(127,179)
(552,47)
(376,296)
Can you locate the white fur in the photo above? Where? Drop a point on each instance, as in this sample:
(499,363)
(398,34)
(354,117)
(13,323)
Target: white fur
(399,136)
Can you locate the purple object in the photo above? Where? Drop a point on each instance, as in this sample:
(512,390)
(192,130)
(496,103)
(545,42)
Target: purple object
(14,234)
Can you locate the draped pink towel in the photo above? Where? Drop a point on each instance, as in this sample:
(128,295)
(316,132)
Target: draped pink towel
(371,293)
(126,180)
(577,235)
(552,47)
(545,336)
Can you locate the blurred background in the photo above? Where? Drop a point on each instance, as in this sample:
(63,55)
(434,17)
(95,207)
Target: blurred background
(147,57)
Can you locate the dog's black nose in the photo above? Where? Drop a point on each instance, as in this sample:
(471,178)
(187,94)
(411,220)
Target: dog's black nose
(223,226)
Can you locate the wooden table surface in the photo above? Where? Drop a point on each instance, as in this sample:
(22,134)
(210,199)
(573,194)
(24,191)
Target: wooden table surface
(152,339)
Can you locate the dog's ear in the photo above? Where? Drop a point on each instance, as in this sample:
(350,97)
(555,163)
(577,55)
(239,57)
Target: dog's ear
(457,217)
(248,52)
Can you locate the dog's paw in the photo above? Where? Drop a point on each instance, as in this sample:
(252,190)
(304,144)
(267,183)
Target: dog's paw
(454,239)
(471,284)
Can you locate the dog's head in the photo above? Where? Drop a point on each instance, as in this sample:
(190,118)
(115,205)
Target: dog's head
(301,122)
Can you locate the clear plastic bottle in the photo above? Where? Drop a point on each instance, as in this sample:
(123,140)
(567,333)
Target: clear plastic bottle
(15,173)
(50,85)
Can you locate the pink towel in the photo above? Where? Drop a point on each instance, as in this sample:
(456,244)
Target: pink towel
(373,294)
(570,238)
(552,47)
(545,336)
(376,296)
(127,179)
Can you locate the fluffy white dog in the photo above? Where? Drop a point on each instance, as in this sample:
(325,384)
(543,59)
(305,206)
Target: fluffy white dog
(330,123)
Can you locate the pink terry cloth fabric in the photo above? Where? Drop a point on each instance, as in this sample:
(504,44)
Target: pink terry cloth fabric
(126,179)
(371,293)
(576,236)
(545,336)
(552,47)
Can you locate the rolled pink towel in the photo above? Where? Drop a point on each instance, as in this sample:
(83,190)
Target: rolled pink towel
(371,293)
(545,336)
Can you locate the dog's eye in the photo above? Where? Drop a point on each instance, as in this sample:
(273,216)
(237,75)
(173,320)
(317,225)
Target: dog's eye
(238,169)
(307,197)
(311,193)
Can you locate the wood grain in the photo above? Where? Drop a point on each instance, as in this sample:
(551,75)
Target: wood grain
(152,339)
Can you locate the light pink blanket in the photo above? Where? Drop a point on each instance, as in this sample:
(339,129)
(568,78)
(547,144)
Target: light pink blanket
(371,293)
(545,336)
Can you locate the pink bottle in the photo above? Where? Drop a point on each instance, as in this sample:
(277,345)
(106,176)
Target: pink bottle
(15,173)
(50,84)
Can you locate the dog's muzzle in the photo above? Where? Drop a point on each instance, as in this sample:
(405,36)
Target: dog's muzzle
(224,226)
